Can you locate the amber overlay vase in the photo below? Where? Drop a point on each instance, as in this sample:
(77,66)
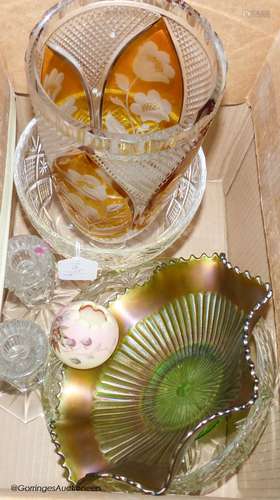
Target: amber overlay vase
(124,92)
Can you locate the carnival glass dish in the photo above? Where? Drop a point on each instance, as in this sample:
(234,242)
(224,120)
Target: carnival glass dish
(182,363)
(124,93)
(34,184)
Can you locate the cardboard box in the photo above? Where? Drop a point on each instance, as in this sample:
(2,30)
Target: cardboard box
(239,215)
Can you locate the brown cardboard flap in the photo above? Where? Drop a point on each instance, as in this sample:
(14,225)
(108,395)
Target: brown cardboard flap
(247,30)
(265,103)
(17,19)
(245,232)
(227,142)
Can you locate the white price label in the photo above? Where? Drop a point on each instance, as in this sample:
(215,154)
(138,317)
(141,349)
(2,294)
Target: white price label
(77,269)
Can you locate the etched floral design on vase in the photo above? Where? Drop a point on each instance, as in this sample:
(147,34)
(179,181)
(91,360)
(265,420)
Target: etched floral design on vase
(123,93)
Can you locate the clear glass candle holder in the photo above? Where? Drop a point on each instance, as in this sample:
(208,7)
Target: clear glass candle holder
(30,271)
(23,354)
(124,93)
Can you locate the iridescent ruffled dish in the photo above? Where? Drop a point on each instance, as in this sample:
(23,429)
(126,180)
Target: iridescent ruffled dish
(183,363)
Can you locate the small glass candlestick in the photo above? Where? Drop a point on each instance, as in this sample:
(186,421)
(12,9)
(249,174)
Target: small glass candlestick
(23,359)
(23,353)
(30,271)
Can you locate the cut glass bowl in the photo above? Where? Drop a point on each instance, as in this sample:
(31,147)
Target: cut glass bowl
(34,186)
(182,365)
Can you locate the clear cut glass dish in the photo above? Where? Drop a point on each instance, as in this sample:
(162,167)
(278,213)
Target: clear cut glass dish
(221,447)
(34,185)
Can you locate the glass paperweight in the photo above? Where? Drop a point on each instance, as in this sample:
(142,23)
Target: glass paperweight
(124,93)
(220,445)
(30,269)
(34,184)
(23,357)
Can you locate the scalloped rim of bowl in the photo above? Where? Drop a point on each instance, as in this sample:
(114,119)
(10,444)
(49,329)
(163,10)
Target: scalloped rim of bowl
(246,327)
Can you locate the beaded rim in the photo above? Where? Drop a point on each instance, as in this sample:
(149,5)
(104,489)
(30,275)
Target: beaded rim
(247,324)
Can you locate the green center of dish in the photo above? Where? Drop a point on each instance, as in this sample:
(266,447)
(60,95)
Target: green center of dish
(184,389)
